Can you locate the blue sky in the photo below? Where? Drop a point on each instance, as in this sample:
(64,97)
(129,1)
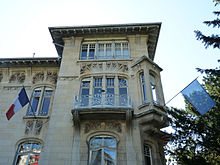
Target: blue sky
(24,31)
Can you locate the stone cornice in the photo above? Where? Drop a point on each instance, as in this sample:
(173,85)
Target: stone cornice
(150,29)
(17,62)
(143,58)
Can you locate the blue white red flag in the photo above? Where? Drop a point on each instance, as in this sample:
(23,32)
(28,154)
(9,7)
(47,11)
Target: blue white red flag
(20,101)
(198,97)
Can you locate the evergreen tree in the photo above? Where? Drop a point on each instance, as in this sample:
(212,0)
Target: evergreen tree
(196,140)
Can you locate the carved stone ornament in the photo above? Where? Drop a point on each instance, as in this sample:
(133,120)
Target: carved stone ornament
(103,125)
(52,77)
(38,126)
(17,76)
(85,68)
(39,76)
(29,127)
(104,66)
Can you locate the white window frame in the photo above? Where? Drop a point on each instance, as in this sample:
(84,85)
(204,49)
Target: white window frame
(38,110)
(124,47)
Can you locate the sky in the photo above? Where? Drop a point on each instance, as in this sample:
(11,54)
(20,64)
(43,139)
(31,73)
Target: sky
(24,31)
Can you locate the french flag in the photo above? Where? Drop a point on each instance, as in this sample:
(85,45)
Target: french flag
(20,101)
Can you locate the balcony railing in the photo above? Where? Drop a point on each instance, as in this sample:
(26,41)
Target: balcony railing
(102,101)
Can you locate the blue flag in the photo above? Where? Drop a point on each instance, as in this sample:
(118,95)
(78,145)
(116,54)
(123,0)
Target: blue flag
(198,97)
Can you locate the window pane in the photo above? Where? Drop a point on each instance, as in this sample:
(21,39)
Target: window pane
(91,51)
(33,159)
(147,155)
(45,107)
(36,148)
(33,107)
(96,142)
(153,88)
(118,50)
(110,143)
(95,157)
(110,82)
(22,159)
(143,88)
(84,52)
(97,82)
(97,96)
(84,97)
(109,157)
(125,50)
(109,51)
(26,147)
(122,82)
(101,51)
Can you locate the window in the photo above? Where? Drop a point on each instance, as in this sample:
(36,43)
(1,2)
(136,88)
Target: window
(153,88)
(147,155)
(101,91)
(97,91)
(110,91)
(40,102)
(102,150)
(143,86)
(123,91)
(28,153)
(111,50)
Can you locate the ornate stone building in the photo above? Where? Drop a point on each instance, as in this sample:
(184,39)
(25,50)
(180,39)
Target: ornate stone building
(99,103)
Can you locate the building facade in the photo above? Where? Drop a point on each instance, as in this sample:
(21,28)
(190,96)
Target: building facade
(99,103)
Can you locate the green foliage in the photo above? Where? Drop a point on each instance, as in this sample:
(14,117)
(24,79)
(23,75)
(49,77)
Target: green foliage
(213,40)
(197,138)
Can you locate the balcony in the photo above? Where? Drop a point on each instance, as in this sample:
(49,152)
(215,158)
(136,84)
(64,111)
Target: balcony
(102,101)
(101,106)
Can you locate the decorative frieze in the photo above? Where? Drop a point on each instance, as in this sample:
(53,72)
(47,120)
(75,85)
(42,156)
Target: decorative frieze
(17,77)
(103,125)
(52,77)
(49,76)
(104,66)
(39,76)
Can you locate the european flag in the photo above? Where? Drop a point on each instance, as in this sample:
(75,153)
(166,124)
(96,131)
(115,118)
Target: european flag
(198,97)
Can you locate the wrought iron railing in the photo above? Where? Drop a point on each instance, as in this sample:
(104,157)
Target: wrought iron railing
(102,101)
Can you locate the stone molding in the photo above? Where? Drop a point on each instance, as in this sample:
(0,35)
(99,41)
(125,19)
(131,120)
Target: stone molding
(96,67)
(103,125)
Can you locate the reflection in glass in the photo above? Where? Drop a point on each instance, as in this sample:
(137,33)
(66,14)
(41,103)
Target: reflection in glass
(102,151)
(28,153)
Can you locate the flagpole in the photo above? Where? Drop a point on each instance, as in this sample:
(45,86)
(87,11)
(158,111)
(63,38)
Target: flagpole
(180,91)
(29,103)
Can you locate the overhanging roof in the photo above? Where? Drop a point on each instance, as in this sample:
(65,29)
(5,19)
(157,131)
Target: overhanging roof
(13,62)
(151,29)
